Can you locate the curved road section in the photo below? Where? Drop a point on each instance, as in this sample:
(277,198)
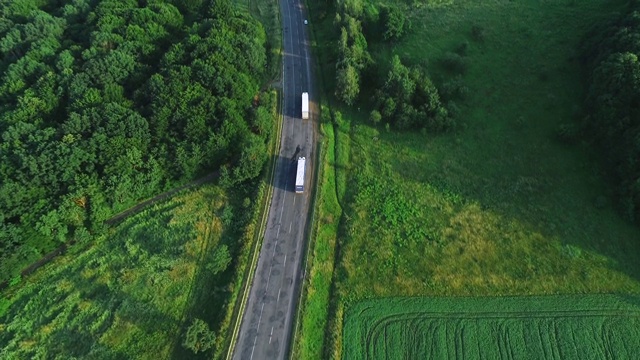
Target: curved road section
(265,331)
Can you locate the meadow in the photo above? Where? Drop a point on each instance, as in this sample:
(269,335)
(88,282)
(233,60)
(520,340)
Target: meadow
(497,206)
(134,292)
(552,327)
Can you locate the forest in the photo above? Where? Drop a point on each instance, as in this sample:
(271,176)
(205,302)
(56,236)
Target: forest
(610,57)
(104,103)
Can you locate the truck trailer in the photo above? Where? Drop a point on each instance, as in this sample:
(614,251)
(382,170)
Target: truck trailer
(305,105)
(300,175)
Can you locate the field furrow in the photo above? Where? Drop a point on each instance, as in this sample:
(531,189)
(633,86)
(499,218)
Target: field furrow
(599,327)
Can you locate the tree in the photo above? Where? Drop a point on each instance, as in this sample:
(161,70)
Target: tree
(348,84)
(352,7)
(198,337)
(399,83)
(375,117)
(93,114)
(394,22)
(220,259)
(252,158)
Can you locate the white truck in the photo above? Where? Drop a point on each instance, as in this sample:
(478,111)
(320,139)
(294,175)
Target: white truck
(300,175)
(305,105)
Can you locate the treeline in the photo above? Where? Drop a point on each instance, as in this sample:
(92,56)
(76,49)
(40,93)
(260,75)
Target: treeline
(103,103)
(407,98)
(610,55)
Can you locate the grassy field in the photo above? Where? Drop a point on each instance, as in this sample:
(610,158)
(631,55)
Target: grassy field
(498,206)
(127,295)
(553,327)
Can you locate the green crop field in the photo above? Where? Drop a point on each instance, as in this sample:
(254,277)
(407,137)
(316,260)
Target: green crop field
(553,327)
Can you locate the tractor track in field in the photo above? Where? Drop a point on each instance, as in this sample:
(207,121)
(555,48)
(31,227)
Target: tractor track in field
(378,329)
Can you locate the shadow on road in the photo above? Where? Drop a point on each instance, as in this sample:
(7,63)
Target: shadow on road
(287,167)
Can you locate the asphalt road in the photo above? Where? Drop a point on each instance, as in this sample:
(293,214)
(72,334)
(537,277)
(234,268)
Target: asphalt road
(266,328)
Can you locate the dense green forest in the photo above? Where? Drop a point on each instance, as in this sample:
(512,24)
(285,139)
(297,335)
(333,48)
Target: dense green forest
(610,55)
(104,103)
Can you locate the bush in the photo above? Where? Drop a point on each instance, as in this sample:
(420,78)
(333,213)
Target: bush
(394,22)
(199,337)
(454,63)
(477,33)
(375,117)
(463,48)
(454,89)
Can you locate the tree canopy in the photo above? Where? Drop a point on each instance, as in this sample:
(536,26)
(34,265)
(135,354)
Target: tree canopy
(611,55)
(409,99)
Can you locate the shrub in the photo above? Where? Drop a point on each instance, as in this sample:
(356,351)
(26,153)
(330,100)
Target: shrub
(199,337)
(477,33)
(375,117)
(454,89)
(394,22)
(463,48)
(454,63)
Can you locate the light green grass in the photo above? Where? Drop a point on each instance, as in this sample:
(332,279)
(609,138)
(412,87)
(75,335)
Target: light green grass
(498,206)
(553,327)
(124,297)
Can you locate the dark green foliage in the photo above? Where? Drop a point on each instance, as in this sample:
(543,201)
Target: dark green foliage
(410,100)
(220,259)
(394,23)
(613,103)
(199,338)
(454,63)
(353,56)
(478,33)
(454,88)
(104,103)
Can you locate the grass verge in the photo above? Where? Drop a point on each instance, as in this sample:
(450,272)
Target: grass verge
(315,297)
